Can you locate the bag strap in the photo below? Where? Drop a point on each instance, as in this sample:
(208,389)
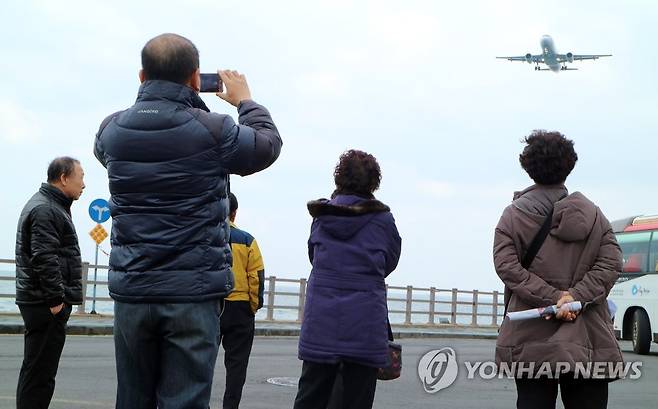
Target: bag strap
(390,332)
(538,241)
(532,251)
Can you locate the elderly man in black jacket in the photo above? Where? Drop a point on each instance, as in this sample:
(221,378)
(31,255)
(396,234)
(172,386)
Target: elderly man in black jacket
(48,278)
(168,161)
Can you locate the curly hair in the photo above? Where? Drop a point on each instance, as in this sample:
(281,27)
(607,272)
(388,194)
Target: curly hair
(358,173)
(548,157)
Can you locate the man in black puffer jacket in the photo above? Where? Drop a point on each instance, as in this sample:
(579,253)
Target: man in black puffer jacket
(168,161)
(48,278)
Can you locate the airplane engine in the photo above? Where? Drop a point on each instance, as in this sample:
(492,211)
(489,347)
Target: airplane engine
(570,57)
(528,58)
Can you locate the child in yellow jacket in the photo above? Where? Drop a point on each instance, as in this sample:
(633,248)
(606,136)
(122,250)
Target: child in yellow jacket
(237,320)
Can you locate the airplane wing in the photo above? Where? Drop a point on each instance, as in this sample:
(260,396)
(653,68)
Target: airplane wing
(580,57)
(525,58)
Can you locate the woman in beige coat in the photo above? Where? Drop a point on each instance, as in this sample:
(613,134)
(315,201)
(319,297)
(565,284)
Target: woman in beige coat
(579,260)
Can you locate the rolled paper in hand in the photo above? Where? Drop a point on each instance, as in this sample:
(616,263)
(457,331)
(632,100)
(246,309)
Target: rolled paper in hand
(543,312)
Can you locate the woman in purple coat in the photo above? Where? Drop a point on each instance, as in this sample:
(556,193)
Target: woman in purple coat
(353,246)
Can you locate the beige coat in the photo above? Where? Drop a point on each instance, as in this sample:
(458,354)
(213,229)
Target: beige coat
(580,255)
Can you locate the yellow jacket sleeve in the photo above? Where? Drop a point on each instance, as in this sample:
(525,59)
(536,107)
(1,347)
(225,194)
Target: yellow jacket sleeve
(255,277)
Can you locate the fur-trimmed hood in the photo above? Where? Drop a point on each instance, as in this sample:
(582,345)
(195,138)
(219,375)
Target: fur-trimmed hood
(344,215)
(326,207)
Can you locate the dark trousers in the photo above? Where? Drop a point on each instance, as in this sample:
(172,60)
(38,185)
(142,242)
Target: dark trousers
(576,393)
(237,334)
(165,354)
(317,385)
(45,334)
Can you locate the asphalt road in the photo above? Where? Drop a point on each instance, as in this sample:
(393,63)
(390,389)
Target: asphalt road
(86,377)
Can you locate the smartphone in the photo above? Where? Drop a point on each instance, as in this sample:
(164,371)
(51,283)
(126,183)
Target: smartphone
(211,83)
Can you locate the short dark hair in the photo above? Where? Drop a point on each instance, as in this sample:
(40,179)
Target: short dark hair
(358,173)
(232,203)
(548,158)
(63,165)
(169,57)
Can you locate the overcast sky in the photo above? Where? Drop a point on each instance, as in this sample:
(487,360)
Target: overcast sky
(415,83)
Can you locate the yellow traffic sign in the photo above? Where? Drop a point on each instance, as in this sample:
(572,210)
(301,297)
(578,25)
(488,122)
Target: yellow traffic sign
(98,234)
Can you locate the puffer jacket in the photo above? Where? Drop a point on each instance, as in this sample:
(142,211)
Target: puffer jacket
(48,263)
(580,255)
(168,161)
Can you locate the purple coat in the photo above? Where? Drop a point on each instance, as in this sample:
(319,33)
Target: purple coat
(353,246)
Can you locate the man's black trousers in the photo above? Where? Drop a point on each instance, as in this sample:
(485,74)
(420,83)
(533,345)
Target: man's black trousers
(45,334)
(237,332)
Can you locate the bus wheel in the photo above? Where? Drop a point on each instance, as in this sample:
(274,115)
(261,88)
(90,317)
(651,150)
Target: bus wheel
(641,332)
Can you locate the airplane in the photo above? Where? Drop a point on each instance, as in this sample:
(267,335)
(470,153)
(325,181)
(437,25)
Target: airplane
(554,61)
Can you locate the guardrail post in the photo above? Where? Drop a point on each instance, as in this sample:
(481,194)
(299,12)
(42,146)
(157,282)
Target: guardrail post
(407,311)
(270,298)
(432,304)
(85,277)
(494,309)
(474,317)
(453,307)
(302,298)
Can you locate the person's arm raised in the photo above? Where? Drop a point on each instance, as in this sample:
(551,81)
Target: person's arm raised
(258,143)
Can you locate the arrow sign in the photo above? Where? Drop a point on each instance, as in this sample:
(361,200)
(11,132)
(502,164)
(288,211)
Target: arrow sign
(99,211)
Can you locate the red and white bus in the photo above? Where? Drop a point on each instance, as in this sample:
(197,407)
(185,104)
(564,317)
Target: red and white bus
(636,291)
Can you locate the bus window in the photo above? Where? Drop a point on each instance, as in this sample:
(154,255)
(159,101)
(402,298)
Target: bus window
(653,252)
(635,249)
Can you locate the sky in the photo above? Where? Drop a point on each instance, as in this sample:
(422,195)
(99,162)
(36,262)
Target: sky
(415,83)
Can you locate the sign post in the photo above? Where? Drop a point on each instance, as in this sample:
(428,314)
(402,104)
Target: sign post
(99,211)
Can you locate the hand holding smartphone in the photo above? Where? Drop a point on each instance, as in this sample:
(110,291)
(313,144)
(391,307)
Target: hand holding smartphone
(237,89)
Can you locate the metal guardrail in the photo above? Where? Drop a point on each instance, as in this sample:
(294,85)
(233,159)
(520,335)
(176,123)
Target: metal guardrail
(462,303)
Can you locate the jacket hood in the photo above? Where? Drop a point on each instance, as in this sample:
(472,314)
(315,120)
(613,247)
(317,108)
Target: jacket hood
(573,215)
(539,199)
(159,89)
(345,215)
(574,218)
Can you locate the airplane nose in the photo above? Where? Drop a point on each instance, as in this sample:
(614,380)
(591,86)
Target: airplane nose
(546,42)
